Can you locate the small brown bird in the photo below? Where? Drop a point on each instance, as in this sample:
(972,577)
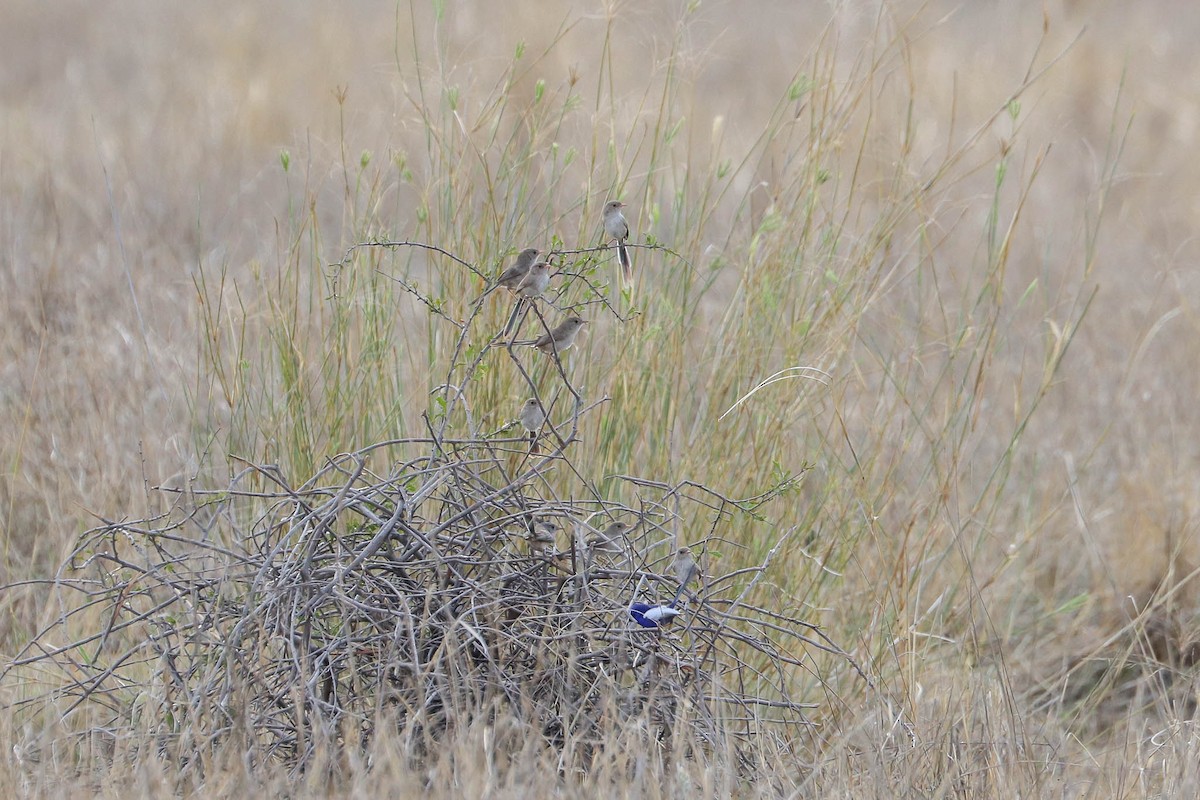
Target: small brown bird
(561,337)
(535,281)
(617,227)
(609,542)
(685,568)
(543,537)
(533,417)
(512,277)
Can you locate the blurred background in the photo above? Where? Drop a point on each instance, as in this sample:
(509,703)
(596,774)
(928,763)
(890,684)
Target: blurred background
(141,140)
(142,143)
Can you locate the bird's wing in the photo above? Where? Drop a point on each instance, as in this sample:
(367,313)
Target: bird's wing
(660,613)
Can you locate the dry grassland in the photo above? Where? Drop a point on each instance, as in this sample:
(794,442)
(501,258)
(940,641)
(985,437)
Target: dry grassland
(976,220)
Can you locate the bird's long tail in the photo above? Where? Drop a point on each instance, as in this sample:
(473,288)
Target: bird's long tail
(510,328)
(626,262)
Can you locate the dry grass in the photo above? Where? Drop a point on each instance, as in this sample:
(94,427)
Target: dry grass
(970,225)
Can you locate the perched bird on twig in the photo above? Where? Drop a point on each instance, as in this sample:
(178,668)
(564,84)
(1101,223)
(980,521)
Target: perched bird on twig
(649,616)
(543,537)
(512,277)
(535,280)
(617,227)
(610,541)
(686,570)
(561,337)
(533,417)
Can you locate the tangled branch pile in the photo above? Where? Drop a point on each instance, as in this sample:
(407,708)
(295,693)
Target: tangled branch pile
(277,611)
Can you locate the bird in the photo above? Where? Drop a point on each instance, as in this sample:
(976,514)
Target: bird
(534,281)
(512,277)
(561,337)
(649,616)
(543,536)
(610,541)
(532,284)
(533,417)
(685,568)
(617,227)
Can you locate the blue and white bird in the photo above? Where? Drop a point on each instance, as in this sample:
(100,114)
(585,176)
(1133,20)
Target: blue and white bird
(649,616)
